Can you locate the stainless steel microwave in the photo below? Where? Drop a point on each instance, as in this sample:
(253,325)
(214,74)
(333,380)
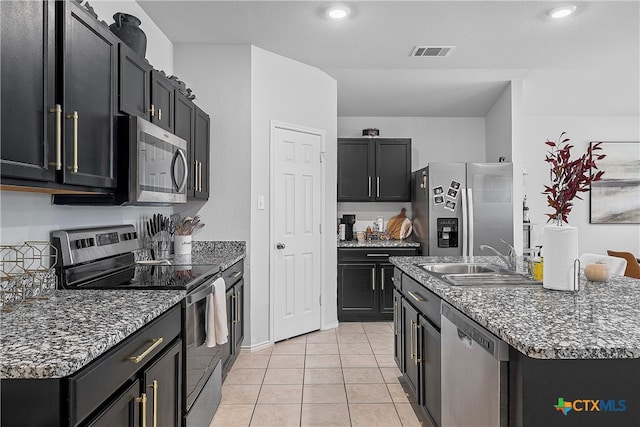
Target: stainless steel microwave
(152,168)
(157,160)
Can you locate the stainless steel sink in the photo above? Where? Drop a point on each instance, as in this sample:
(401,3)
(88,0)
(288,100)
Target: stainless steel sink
(476,274)
(459,268)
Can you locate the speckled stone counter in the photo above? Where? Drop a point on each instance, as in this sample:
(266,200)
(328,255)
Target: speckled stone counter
(54,338)
(378,244)
(601,321)
(223,253)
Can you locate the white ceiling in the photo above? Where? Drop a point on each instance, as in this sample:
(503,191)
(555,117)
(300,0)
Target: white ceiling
(368,54)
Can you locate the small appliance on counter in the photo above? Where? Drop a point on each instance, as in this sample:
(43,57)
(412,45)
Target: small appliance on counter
(348,221)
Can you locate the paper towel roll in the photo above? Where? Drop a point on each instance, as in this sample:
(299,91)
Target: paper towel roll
(560,245)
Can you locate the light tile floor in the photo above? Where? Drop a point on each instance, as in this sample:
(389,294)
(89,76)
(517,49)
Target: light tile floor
(340,377)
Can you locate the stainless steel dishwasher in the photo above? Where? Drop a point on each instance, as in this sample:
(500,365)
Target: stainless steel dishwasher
(474,373)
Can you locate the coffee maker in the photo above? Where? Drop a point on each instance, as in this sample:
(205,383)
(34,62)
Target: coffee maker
(348,221)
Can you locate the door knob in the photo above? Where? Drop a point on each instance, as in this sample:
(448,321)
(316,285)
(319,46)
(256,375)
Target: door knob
(280,245)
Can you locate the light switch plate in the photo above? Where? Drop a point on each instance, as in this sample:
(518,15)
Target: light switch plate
(260,203)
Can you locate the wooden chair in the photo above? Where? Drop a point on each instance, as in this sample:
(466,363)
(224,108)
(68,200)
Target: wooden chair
(616,265)
(633,268)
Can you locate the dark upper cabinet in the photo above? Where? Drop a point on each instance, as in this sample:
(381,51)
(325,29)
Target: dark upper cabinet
(27,67)
(135,84)
(162,101)
(374,169)
(201,149)
(59,76)
(90,53)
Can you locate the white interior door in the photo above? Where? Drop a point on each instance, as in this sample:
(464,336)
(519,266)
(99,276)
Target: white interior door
(296,239)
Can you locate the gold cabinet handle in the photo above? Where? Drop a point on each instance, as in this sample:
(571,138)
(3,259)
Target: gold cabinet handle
(154,343)
(152,110)
(416,297)
(195,175)
(57,129)
(378,186)
(74,117)
(159,113)
(395,317)
(234,301)
(236,274)
(143,403)
(382,278)
(373,279)
(411,340)
(200,176)
(369,186)
(237,308)
(154,387)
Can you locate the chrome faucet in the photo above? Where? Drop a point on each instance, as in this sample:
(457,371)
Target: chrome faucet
(510,261)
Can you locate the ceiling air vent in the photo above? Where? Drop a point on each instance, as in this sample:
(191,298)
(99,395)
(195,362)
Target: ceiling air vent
(432,50)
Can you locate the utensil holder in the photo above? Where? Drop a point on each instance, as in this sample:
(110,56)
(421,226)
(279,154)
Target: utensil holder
(182,244)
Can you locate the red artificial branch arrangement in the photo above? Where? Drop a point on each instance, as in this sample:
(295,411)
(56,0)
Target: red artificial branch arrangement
(569,177)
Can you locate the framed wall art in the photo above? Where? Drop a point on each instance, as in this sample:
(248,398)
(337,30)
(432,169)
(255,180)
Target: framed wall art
(616,198)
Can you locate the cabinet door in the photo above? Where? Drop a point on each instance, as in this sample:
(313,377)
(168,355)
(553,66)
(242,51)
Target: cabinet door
(123,411)
(430,366)
(410,346)
(201,153)
(385,299)
(184,128)
(356,291)
(227,355)
(27,66)
(90,75)
(398,351)
(238,322)
(163,386)
(355,170)
(393,170)
(162,101)
(134,89)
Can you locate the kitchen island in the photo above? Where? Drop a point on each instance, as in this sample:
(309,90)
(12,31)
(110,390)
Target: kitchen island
(574,358)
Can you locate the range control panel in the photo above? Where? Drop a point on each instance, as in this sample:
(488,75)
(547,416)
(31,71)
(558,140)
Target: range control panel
(89,244)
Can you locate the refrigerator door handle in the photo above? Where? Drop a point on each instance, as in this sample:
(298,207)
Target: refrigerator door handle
(465,218)
(470,218)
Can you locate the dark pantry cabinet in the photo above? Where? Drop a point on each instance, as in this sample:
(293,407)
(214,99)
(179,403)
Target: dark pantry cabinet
(59,77)
(374,169)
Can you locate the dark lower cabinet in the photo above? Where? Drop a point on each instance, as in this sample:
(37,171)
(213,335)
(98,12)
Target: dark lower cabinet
(123,410)
(365,283)
(235,314)
(115,389)
(162,383)
(430,370)
(417,343)
(410,357)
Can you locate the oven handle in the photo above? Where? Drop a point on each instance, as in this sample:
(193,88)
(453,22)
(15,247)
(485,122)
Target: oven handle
(203,293)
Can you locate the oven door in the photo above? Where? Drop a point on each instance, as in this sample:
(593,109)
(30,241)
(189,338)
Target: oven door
(200,360)
(161,169)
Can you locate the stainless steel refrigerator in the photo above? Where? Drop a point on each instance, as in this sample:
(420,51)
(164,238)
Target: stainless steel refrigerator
(459,206)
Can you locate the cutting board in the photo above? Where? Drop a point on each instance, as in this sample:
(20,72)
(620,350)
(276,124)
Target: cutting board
(395,224)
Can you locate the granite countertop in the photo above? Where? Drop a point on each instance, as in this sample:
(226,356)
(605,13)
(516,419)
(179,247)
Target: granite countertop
(55,337)
(598,322)
(378,244)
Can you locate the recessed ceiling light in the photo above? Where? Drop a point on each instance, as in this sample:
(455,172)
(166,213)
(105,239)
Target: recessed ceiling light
(561,11)
(338,12)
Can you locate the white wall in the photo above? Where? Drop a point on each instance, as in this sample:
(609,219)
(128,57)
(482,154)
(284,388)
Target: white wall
(159,47)
(535,126)
(288,91)
(498,134)
(31,216)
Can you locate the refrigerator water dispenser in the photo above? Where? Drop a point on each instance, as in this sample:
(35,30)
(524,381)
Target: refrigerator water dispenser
(447,232)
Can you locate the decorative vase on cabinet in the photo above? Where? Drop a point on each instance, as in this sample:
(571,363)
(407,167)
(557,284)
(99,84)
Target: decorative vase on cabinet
(127,28)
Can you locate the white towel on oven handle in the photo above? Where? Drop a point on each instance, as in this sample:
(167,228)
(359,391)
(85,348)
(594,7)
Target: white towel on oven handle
(216,322)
